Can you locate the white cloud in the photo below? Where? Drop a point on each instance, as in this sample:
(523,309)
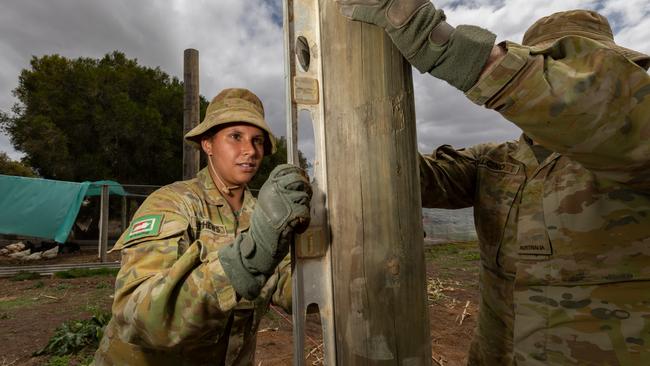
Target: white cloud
(240,44)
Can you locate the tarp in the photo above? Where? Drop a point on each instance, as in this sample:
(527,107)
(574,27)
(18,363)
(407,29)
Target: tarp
(44,208)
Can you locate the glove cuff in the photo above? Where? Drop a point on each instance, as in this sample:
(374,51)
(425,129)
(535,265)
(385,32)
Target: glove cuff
(244,280)
(464,56)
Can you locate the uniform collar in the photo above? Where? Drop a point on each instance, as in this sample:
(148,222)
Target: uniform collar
(525,155)
(214,197)
(212,194)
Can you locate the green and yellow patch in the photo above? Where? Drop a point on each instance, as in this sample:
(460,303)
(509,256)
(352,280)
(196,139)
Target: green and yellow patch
(148,225)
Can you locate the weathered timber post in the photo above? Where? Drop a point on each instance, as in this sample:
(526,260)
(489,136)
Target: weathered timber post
(191,111)
(359,91)
(103,223)
(123,221)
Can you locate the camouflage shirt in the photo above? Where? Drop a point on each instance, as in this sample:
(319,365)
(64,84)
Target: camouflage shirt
(564,229)
(173,302)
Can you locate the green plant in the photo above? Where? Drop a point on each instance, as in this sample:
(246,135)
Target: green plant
(86,272)
(59,361)
(75,335)
(39,284)
(25,275)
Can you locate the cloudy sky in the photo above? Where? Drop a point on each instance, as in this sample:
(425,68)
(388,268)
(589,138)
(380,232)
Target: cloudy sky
(240,44)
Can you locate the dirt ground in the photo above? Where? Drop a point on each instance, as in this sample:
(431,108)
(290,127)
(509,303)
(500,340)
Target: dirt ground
(31,310)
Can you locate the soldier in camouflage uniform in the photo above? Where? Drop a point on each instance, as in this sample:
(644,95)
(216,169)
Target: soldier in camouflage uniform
(563,214)
(202,260)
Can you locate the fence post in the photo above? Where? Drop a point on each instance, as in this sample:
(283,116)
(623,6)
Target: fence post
(103,224)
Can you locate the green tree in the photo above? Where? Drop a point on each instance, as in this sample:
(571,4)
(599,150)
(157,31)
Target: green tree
(271,161)
(91,119)
(11,167)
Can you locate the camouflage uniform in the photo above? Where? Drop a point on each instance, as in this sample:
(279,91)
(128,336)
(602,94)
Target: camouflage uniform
(564,229)
(173,302)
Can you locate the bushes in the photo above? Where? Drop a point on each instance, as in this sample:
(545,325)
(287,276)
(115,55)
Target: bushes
(75,335)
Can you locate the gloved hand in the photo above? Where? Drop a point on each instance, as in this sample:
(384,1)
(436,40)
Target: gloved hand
(419,30)
(282,210)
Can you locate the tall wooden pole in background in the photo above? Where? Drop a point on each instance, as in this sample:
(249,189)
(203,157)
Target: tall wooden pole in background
(359,91)
(103,223)
(191,111)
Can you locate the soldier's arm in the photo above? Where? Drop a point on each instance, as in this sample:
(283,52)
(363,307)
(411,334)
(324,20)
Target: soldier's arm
(448,176)
(579,99)
(167,296)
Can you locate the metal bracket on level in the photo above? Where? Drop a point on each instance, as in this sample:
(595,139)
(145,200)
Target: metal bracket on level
(311,256)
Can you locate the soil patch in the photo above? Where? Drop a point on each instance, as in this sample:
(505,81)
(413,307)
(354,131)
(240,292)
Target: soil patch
(31,310)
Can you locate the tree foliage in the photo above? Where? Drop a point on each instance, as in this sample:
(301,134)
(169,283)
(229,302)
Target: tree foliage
(91,119)
(11,167)
(110,118)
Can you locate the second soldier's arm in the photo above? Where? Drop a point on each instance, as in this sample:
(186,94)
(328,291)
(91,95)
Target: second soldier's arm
(577,98)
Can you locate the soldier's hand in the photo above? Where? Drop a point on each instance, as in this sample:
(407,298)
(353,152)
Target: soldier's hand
(282,210)
(411,24)
(422,35)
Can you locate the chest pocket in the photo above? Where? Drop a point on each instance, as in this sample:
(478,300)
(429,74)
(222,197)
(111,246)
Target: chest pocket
(498,188)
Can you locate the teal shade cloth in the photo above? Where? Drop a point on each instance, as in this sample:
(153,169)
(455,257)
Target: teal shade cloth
(95,188)
(44,208)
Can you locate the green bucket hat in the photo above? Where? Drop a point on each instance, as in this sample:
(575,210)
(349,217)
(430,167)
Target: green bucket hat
(230,106)
(585,23)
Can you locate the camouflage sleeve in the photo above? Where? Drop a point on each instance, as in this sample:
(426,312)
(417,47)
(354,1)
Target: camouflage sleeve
(169,293)
(448,176)
(282,295)
(580,99)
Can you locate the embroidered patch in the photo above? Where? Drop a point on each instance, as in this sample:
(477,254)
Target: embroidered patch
(148,225)
(205,224)
(503,167)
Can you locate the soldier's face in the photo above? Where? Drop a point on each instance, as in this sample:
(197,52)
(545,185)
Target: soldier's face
(236,152)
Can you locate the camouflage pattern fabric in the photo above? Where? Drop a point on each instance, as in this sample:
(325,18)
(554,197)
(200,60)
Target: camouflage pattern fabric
(565,242)
(173,303)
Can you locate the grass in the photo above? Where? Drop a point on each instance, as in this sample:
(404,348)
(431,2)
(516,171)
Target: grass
(25,276)
(12,303)
(449,261)
(457,255)
(85,272)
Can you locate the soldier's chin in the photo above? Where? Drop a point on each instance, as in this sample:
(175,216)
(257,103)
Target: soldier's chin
(246,178)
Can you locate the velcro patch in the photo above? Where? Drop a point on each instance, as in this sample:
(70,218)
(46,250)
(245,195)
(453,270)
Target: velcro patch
(148,225)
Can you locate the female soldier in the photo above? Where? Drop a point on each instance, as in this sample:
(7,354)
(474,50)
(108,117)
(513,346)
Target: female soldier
(200,258)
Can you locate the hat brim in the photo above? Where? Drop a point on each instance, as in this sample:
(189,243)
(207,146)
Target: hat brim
(194,136)
(639,58)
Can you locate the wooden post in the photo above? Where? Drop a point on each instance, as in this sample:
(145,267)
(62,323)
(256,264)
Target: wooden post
(123,223)
(359,90)
(191,111)
(103,224)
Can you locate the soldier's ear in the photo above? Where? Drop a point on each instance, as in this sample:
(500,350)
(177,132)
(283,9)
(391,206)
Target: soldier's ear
(206,145)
